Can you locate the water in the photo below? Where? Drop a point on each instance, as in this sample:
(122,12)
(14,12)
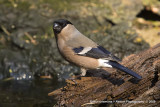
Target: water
(28,93)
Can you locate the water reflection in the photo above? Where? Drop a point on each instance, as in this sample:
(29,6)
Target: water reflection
(28,93)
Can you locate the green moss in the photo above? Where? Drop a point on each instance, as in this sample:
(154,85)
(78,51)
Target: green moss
(6,3)
(149,2)
(64,5)
(58,5)
(49,31)
(23,5)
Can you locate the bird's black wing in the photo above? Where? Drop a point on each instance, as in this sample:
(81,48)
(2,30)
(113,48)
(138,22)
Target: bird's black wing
(102,53)
(97,53)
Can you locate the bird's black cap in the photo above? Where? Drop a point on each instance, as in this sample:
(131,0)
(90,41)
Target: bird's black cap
(59,24)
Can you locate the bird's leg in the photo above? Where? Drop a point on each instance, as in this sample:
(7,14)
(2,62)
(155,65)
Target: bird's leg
(71,81)
(83,71)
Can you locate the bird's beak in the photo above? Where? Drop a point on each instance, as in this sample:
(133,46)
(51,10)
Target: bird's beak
(56,26)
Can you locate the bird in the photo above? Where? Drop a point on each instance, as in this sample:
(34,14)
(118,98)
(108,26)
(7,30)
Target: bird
(79,50)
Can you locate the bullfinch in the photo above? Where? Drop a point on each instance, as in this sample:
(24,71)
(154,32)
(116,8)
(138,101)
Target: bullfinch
(82,51)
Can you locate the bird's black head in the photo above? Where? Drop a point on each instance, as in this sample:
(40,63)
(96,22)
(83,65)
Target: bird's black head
(59,24)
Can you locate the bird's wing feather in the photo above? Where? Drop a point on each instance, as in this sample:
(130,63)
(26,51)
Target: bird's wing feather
(124,69)
(109,53)
(98,52)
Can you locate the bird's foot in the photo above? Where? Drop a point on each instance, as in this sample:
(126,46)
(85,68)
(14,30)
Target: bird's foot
(73,80)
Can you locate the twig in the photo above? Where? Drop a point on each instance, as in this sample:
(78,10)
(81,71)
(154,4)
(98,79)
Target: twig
(31,38)
(5,30)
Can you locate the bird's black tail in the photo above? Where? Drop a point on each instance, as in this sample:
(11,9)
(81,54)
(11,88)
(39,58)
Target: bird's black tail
(124,69)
